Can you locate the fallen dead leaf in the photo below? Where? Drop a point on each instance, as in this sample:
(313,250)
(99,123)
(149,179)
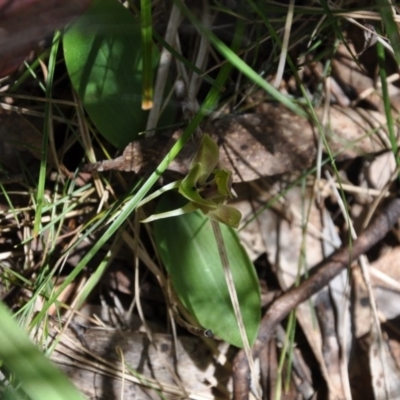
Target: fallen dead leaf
(270,142)
(25,22)
(193,372)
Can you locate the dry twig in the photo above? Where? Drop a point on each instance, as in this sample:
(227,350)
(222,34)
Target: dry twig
(319,276)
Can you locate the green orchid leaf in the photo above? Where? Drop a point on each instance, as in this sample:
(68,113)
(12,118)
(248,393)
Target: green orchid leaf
(188,249)
(226,214)
(105,69)
(103,55)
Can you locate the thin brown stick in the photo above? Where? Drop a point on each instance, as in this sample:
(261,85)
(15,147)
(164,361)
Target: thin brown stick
(319,276)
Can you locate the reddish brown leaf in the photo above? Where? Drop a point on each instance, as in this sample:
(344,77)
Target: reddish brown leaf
(25,22)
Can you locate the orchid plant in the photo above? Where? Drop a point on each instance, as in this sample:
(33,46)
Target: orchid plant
(206,186)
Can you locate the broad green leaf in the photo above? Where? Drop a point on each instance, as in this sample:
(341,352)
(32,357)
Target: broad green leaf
(189,252)
(103,54)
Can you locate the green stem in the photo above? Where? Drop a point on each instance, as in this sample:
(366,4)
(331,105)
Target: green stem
(147,47)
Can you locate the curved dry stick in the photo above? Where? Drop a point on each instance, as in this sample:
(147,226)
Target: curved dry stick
(319,276)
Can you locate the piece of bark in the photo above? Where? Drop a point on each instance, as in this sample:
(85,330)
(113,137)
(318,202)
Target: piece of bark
(270,142)
(194,365)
